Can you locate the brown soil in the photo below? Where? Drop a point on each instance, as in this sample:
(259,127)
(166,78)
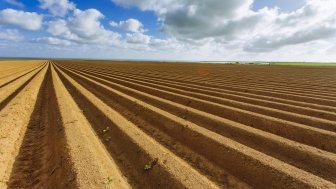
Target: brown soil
(96,124)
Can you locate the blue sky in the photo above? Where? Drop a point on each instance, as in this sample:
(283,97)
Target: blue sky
(148,18)
(285,5)
(286,30)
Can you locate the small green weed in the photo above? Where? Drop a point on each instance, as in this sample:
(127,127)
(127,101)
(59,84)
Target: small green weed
(147,167)
(150,165)
(107,180)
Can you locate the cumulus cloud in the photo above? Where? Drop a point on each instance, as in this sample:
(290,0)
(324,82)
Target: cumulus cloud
(83,27)
(213,29)
(234,22)
(131,25)
(194,19)
(15,3)
(269,42)
(315,21)
(138,38)
(160,6)
(25,20)
(52,41)
(57,7)
(11,35)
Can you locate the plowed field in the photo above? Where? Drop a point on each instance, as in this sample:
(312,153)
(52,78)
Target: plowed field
(96,124)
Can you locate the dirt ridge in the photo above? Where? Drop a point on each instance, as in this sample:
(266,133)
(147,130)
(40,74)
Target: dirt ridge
(97,124)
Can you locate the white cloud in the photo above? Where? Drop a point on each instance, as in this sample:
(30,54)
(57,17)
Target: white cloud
(315,21)
(52,41)
(58,28)
(234,22)
(138,38)
(160,6)
(10,35)
(15,3)
(269,42)
(57,7)
(131,25)
(25,20)
(211,29)
(83,27)
(114,24)
(198,19)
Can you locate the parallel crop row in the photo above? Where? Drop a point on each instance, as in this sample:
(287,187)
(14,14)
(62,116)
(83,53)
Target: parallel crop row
(145,125)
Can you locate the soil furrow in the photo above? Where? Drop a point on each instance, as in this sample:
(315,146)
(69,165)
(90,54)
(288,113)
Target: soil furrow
(5,74)
(317,137)
(239,98)
(316,122)
(9,94)
(3,84)
(134,149)
(254,90)
(226,156)
(14,120)
(121,124)
(308,159)
(93,166)
(244,93)
(43,161)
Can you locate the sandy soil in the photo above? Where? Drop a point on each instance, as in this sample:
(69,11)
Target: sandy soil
(96,124)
